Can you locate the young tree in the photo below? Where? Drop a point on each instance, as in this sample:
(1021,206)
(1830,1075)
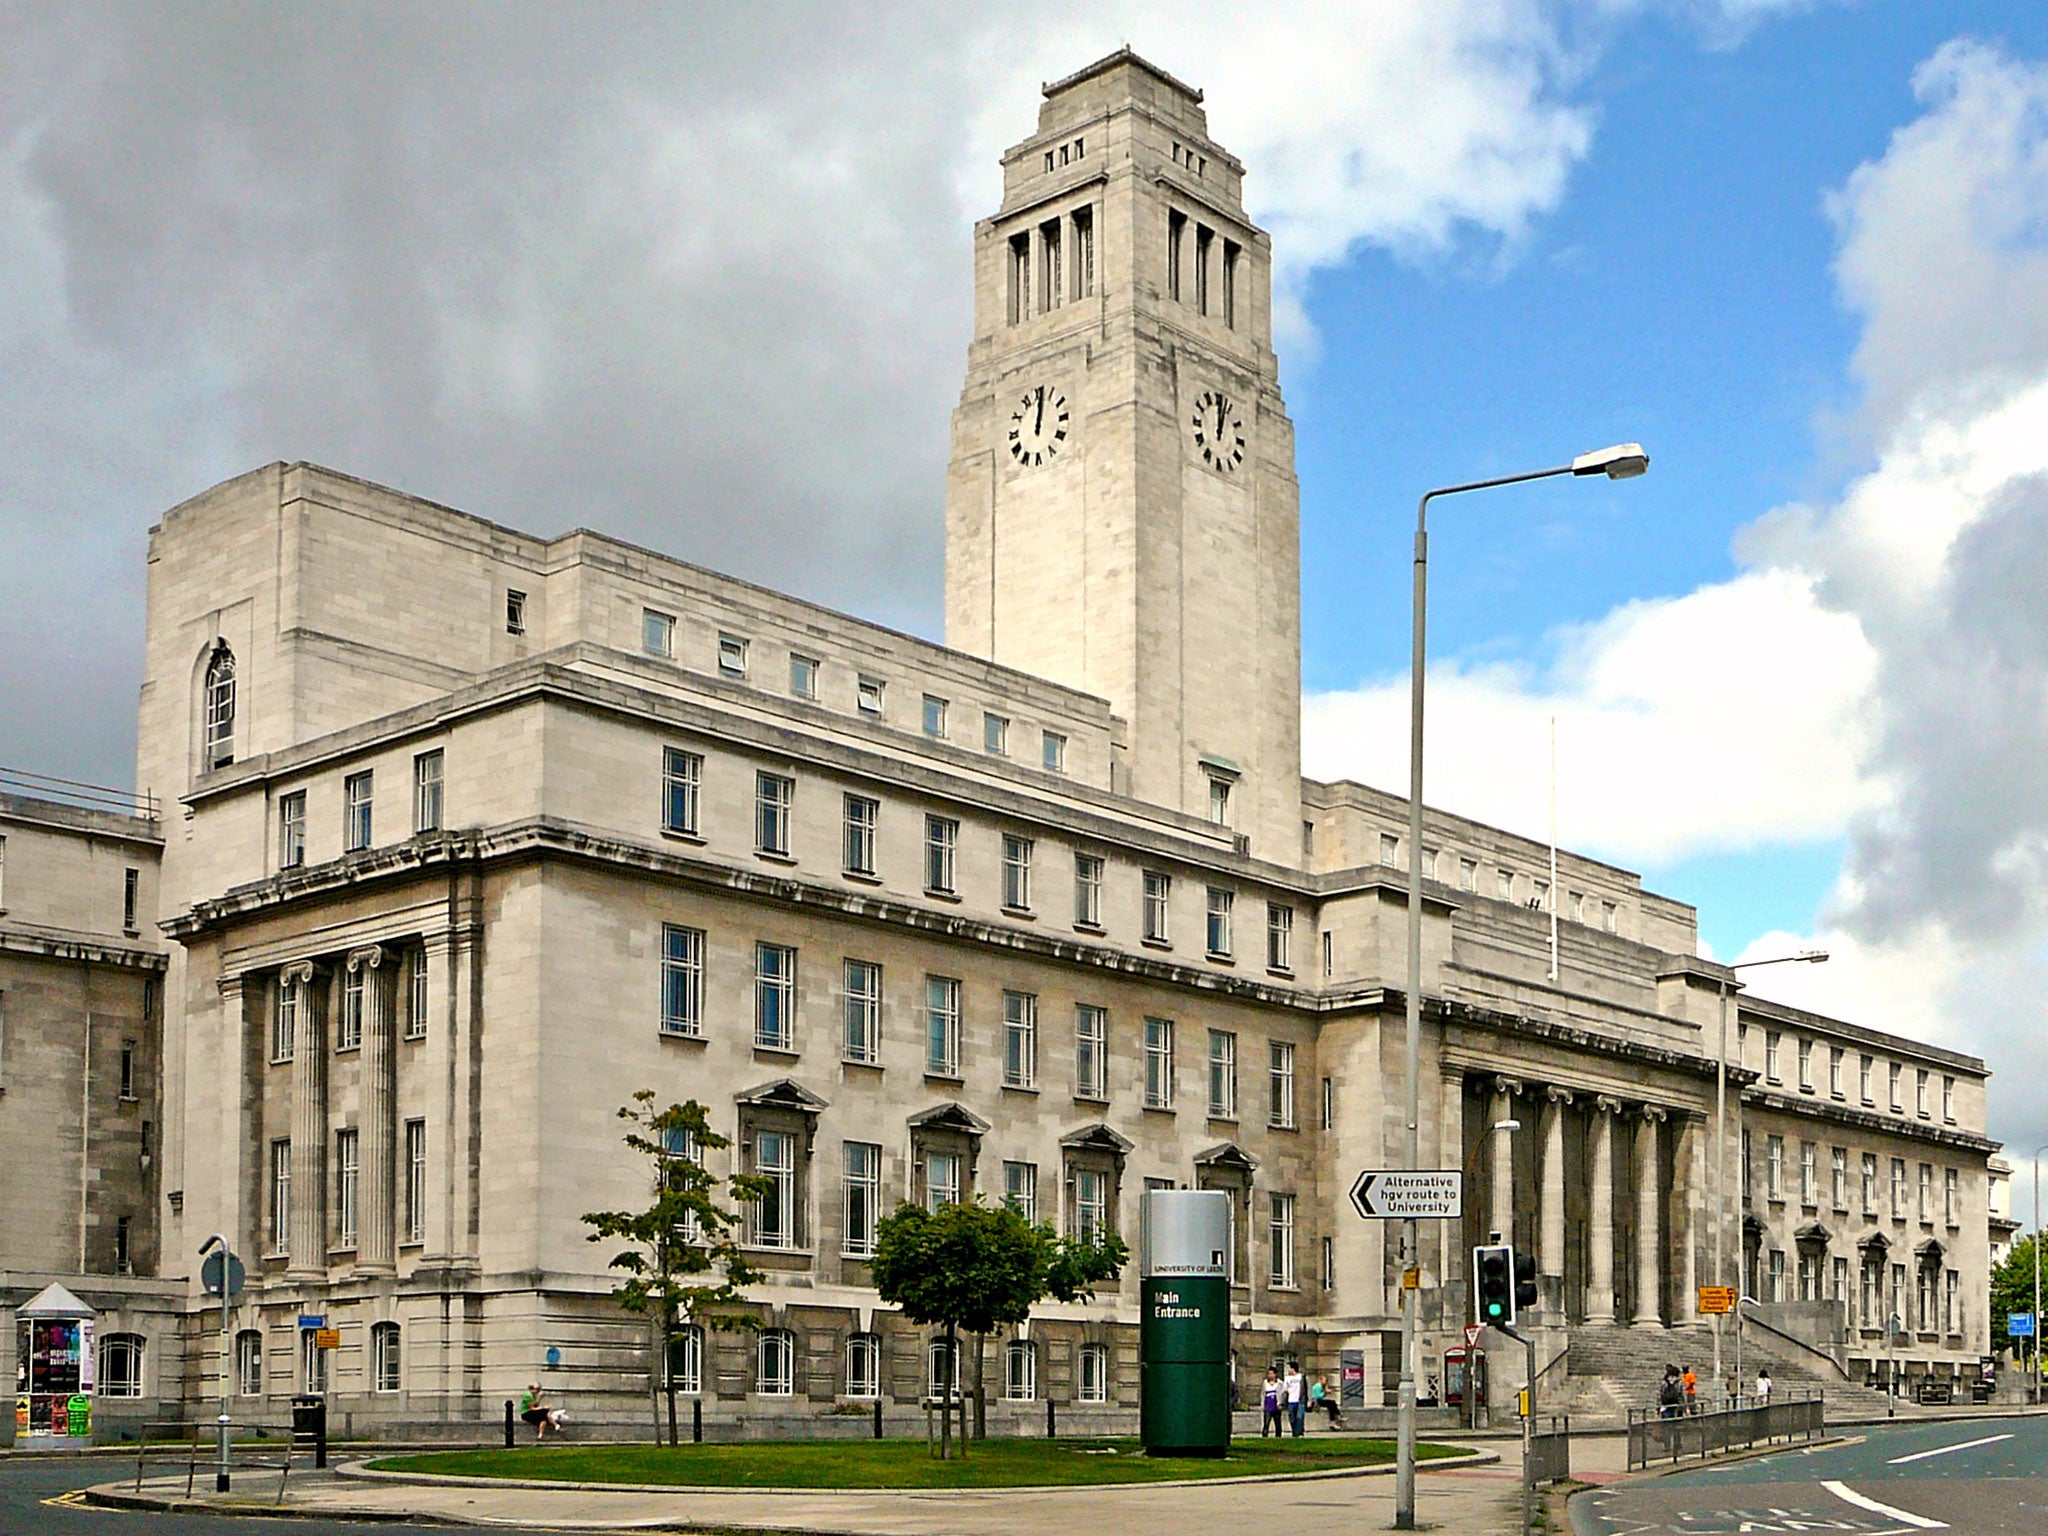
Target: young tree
(685,1260)
(2012,1290)
(976,1268)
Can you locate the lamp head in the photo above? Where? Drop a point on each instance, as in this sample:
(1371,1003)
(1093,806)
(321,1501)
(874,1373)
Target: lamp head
(1624,461)
(1507,1125)
(1813,956)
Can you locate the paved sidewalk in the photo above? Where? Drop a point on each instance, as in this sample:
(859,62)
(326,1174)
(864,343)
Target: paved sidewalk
(1480,1499)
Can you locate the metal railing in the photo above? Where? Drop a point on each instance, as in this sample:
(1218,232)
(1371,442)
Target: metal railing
(1799,1414)
(199,1445)
(1550,1448)
(77,793)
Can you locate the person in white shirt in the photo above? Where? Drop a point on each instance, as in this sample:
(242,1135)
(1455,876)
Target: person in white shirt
(1763,1387)
(1291,1385)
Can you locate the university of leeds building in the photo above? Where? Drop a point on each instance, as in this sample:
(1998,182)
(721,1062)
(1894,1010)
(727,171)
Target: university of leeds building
(466,835)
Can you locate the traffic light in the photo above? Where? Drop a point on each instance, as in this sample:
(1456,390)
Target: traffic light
(1525,1282)
(1493,1284)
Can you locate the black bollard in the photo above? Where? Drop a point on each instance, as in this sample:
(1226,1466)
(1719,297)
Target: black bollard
(1052,1427)
(696,1421)
(878,1418)
(508,1423)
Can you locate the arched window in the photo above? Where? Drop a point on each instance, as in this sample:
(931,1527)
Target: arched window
(249,1363)
(120,1365)
(686,1359)
(863,1365)
(941,1369)
(776,1375)
(384,1356)
(1094,1373)
(312,1362)
(1020,1371)
(220,707)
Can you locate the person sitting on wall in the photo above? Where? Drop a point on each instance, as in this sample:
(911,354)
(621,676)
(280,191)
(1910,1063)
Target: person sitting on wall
(536,1413)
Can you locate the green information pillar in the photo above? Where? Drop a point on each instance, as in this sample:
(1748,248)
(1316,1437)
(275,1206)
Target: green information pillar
(1184,1332)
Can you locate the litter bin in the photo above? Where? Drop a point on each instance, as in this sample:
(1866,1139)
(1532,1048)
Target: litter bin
(309,1425)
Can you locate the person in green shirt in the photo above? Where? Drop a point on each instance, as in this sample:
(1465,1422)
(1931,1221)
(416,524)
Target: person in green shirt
(532,1411)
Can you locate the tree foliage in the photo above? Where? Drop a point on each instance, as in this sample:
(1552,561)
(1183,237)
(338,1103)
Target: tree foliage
(683,1259)
(2012,1288)
(976,1268)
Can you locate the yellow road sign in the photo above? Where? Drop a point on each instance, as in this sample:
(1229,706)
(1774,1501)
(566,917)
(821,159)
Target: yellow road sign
(1716,1299)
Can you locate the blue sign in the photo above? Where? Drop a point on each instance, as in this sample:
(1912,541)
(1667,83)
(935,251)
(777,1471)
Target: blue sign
(2019,1325)
(554,1356)
(307,1320)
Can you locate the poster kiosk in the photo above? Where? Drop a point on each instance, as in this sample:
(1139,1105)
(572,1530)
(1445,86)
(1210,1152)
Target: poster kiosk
(53,1368)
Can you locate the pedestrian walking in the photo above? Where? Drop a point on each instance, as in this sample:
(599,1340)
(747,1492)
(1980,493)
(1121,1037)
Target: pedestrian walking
(1270,1403)
(1692,1391)
(1295,1391)
(1670,1394)
(1763,1387)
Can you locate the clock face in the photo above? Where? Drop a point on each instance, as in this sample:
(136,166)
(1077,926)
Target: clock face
(1038,427)
(1219,431)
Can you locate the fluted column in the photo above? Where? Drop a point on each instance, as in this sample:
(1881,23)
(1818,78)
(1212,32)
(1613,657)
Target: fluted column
(309,1123)
(1685,1202)
(375,1246)
(1550,1250)
(1504,1091)
(1649,1208)
(1600,1259)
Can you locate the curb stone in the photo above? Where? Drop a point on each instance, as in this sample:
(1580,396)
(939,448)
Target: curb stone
(119,1496)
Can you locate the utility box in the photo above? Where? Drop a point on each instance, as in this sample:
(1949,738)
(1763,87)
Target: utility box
(1184,1324)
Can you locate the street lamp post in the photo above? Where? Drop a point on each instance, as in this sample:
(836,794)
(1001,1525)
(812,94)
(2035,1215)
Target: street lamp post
(1623,462)
(1722,1215)
(2034,1387)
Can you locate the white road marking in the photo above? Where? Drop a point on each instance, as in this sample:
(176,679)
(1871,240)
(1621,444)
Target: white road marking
(1943,1450)
(1849,1495)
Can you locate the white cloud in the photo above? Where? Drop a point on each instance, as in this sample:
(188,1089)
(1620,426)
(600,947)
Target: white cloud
(1882,668)
(1944,239)
(1723,719)
(700,279)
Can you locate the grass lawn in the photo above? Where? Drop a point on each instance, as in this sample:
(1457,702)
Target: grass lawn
(898,1463)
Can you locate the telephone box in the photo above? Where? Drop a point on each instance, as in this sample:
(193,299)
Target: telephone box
(1464,1376)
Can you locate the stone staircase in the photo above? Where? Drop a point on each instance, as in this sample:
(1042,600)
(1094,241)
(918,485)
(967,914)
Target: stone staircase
(1609,1370)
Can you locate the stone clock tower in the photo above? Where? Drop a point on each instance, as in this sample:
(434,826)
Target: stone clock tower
(1121,508)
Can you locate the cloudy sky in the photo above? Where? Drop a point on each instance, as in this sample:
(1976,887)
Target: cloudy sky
(697,276)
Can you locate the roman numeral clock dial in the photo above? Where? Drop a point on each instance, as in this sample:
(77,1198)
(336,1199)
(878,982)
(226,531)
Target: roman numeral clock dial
(1038,427)
(1218,431)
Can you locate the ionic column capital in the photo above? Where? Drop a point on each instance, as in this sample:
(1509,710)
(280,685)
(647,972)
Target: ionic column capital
(1653,1114)
(368,958)
(1511,1086)
(298,973)
(1558,1095)
(1606,1104)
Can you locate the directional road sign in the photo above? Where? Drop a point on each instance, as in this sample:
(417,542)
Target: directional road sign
(2019,1325)
(1401,1193)
(1717,1299)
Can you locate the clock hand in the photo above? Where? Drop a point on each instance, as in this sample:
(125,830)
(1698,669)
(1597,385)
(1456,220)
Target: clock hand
(1038,427)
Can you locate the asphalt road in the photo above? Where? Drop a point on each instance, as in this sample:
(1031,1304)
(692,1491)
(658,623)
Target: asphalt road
(1975,1477)
(33,1503)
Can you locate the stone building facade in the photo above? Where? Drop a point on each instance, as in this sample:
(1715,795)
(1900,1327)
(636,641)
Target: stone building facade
(472,834)
(81,1105)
